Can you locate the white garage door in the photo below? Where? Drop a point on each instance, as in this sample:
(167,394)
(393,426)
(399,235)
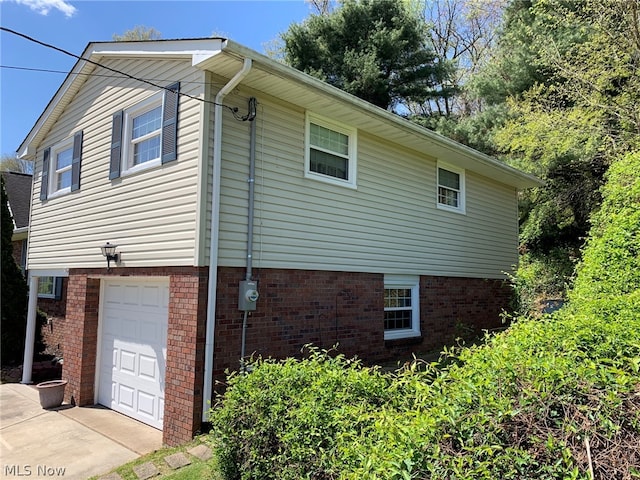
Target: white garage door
(133,348)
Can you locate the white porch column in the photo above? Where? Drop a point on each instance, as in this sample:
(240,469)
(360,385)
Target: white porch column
(30,337)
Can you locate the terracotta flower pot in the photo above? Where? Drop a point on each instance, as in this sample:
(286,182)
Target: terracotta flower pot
(51,393)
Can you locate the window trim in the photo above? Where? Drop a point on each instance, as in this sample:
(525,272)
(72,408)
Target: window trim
(461,208)
(350,132)
(49,177)
(64,145)
(126,162)
(411,282)
(56,286)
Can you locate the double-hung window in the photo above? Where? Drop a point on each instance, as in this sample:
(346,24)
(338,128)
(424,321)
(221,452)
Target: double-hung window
(451,188)
(142,129)
(330,151)
(61,167)
(145,134)
(401,307)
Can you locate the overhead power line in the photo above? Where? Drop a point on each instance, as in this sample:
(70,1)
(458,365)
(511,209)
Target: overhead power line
(234,110)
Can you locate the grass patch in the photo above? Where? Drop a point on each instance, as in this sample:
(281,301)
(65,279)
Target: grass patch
(196,470)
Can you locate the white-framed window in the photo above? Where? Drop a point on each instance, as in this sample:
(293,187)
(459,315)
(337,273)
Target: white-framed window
(330,152)
(142,135)
(61,167)
(401,306)
(451,188)
(48,287)
(60,162)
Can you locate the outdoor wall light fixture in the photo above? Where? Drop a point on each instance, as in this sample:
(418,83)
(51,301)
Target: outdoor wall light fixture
(109,251)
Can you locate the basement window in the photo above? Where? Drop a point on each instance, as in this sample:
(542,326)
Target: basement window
(401,307)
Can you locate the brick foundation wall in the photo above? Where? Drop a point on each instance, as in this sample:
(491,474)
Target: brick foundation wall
(53,331)
(81,337)
(185,356)
(184,372)
(298,307)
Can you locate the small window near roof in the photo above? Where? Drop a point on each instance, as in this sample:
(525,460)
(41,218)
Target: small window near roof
(451,194)
(401,307)
(331,152)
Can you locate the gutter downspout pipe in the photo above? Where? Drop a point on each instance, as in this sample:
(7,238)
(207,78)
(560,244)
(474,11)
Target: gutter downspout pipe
(215,229)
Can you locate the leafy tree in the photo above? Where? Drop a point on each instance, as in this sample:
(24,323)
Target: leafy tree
(13,292)
(374,49)
(462,33)
(139,32)
(564,77)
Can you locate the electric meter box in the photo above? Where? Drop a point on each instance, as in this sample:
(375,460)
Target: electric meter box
(248,295)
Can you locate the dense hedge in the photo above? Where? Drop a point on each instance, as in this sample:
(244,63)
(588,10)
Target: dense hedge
(547,399)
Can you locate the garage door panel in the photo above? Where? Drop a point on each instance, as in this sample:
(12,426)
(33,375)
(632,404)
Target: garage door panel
(126,395)
(147,403)
(134,334)
(148,367)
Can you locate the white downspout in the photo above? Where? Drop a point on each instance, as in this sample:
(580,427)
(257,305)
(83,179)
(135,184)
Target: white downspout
(29,342)
(215,229)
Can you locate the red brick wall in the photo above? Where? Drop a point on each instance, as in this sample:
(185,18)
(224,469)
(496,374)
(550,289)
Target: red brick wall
(298,307)
(81,337)
(185,343)
(185,356)
(17,251)
(53,331)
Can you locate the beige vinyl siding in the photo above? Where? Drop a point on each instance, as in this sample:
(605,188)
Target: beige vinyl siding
(151,215)
(389,224)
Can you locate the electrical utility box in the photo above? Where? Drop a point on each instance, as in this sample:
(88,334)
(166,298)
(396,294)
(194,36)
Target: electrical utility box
(248,295)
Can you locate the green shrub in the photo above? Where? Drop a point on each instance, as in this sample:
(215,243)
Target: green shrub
(284,419)
(611,260)
(528,403)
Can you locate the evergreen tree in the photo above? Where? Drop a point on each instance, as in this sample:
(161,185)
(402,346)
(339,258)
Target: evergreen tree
(13,292)
(374,49)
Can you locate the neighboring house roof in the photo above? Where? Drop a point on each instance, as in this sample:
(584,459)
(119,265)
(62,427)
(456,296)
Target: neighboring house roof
(225,58)
(18,188)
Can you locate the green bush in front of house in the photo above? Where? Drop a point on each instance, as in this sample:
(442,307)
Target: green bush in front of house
(547,399)
(285,419)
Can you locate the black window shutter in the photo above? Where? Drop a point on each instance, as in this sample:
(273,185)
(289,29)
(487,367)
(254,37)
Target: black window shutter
(170,123)
(116,146)
(75,161)
(44,185)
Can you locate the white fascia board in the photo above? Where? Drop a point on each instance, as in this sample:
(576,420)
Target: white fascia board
(198,50)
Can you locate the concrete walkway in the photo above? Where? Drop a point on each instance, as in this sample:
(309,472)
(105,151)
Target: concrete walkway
(67,442)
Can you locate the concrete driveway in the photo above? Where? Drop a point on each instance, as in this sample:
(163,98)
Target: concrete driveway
(67,442)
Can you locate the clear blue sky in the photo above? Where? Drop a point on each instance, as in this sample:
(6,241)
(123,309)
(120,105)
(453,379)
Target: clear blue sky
(70,25)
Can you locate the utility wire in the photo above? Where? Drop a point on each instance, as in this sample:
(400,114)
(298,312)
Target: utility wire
(104,75)
(234,110)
